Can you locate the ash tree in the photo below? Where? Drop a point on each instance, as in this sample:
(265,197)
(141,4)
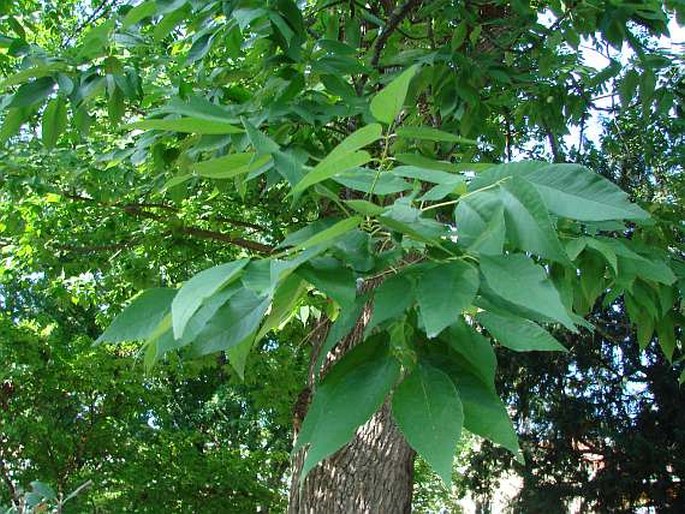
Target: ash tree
(374,164)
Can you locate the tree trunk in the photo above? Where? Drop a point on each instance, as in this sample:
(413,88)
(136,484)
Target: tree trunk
(373,474)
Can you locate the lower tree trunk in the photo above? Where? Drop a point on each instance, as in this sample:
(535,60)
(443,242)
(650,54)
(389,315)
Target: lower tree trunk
(373,474)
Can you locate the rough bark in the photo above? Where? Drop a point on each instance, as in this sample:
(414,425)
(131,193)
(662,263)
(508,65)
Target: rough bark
(372,474)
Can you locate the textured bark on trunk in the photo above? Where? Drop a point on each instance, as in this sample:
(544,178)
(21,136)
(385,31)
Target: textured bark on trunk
(373,474)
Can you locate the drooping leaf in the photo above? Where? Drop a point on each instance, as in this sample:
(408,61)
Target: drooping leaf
(140,318)
(200,287)
(188,125)
(54,121)
(387,104)
(330,234)
(286,297)
(428,411)
(347,397)
(517,279)
(230,165)
(33,92)
(366,180)
(431,134)
(331,277)
(391,299)
(474,349)
(528,225)
(442,292)
(480,223)
(234,322)
(519,334)
(568,190)
(343,157)
(139,13)
(343,325)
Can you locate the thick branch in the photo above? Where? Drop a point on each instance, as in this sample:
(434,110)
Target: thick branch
(400,12)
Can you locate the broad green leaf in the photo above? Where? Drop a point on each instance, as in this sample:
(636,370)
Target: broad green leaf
(141,317)
(517,279)
(665,330)
(346,398)
(230,165)
(34,72)
(329,235)
(237,355)
(366,180)
(331,277)
(286,297)
(188,125)
(33,92)
(428,411)
(568,190)
(519,334)
(139,13)
(480,223)
(528,225)
(633,264)
(432,134)
(200,287)
(428,175)
(391,299)
(14,118)
(387,104)
(413,159)
(54,121)
(235,321)
(474,349)
(442,292)
(365,208)
(485,414)
(402,217)
(342,158)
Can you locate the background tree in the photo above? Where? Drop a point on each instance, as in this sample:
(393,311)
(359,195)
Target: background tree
(366,125)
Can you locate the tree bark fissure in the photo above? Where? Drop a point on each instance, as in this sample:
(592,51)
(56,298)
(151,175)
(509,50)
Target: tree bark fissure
(374,473)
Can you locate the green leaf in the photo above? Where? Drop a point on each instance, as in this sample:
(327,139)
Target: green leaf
(485,414)
(140,319)
(365,208)
(139,13)
(346,398)
(480,223)
(54,121)
(331,277)
(286,297)
(528,225)
(428,175)
(442,292)
(364,179)
(330,234)
(200,287)
(391,299)
(518,280)
(518,334)
(404,218)
(665,330)
(234,322)
(188,125)
(428,411)
(33,92)
(14,118)
(569,190)
(432,134)
(342,158)
(387,104)
(474,349)
(229,166)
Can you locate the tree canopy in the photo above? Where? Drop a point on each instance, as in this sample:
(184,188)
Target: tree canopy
(257,174)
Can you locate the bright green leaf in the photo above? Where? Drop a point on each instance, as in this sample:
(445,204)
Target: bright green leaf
(188,125)
(387,104)
(519,334)
(54,121)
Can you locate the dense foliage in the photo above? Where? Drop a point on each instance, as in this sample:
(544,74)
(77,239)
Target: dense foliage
(257,167)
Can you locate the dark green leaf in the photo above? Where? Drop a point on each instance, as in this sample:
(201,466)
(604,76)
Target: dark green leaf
(428,411)
(519,334)
(33,92)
